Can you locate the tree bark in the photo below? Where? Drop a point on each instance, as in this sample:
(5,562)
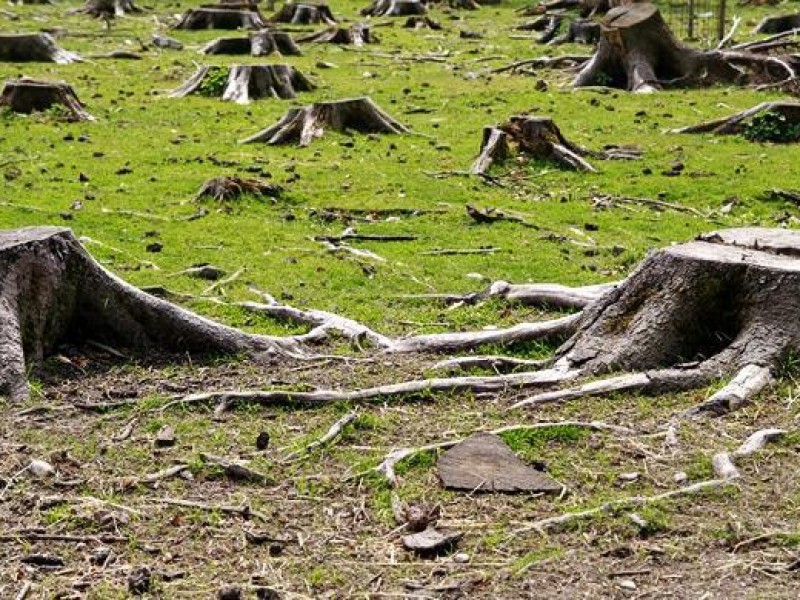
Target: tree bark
(251,82)
(20,47)
(394,8)
(638,52)
(357,35)
(259,43)
(221,18)
(303,13)
(110,8)
(697,311)
(303,125)
(52,291)
(30,95)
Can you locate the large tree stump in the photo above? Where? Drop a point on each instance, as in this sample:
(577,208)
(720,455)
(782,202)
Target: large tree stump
(259,43)
(243,83)
(31,95)
(53,292)
(536,138)
(22,47)
(394,8)
(638,52)
(766,122)
(221,18)
(697,312)
(108,9)
(303,125)
(357,35)
(304,13)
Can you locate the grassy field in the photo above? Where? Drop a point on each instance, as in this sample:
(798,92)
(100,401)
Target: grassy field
(129,180)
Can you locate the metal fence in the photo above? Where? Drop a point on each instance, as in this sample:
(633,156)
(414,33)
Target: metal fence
(699,21)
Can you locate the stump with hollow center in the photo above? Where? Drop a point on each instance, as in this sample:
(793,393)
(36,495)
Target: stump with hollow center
(303,125)
(638,52)
(221,18)
(697,311)
(52,292)
(259,43)
(41,47)
(244,83)
(395,8)
(32,95)
(357,35)
(304,13)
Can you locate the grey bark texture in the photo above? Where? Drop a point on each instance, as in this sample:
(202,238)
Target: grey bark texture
(304,13)
(258,43)
(221,18)
(251,82)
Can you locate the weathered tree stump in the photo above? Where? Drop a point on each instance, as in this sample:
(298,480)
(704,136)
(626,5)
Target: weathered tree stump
(534,137)
(22,47)
(221,18)
(53,292)
(696,312)
(579,31)
(31,95)
(259,43)
(303,125)
(108,9)
(357,35)
(304,13)
(778,121)
(395,8)
(638,52)
(244,83)
(778,24)
(223,189)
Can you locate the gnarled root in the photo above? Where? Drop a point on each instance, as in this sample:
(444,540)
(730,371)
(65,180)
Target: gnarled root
(303,125)
(357,35)
(735,124)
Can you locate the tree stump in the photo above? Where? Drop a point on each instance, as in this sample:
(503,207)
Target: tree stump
(395,8)
(259,43)
(243,83)
(536,138)
(52,292)
(357,35)
(697,311)
(778,24)
(638,52)
(421,22)
(221,18)
(304,13)
(579,31)
(23,47)
(303,125)
(107,9)
(766,122)
(30,95)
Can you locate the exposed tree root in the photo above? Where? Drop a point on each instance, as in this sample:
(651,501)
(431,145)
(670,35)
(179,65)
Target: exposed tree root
(357,35)
(303,125)
(638,52)
(636,381)
(243,511)
(41,47)
(544,62)
(221,18)
(249,82)
(499,364)
(335,431)
(532,294)
(788,112)
(407,390)
(258,43)
(390,461)
(747,384)
(304,13)
(31,95)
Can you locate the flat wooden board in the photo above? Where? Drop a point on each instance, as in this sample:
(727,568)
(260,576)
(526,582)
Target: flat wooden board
(483,462)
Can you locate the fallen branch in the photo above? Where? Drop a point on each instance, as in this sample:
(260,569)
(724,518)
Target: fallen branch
(38,536)
(335,431)
(244,511)
(606,200)
(555,62)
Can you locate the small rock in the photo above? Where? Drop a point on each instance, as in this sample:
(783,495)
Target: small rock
(625,477)
(461,557)
(43,560)
(431,541)
(154,247)
(162,41)
(262,441)
(627,584)
(325,65)
(165,438)
(100,555)
(41,469)
(230,592)
(83,177)
(265,593)
(680,477)
(638,520)
(139,581)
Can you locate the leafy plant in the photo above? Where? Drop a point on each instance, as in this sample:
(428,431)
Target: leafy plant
(214,82)
(771,127)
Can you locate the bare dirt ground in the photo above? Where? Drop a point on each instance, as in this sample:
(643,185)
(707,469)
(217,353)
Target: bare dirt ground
(322,525)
